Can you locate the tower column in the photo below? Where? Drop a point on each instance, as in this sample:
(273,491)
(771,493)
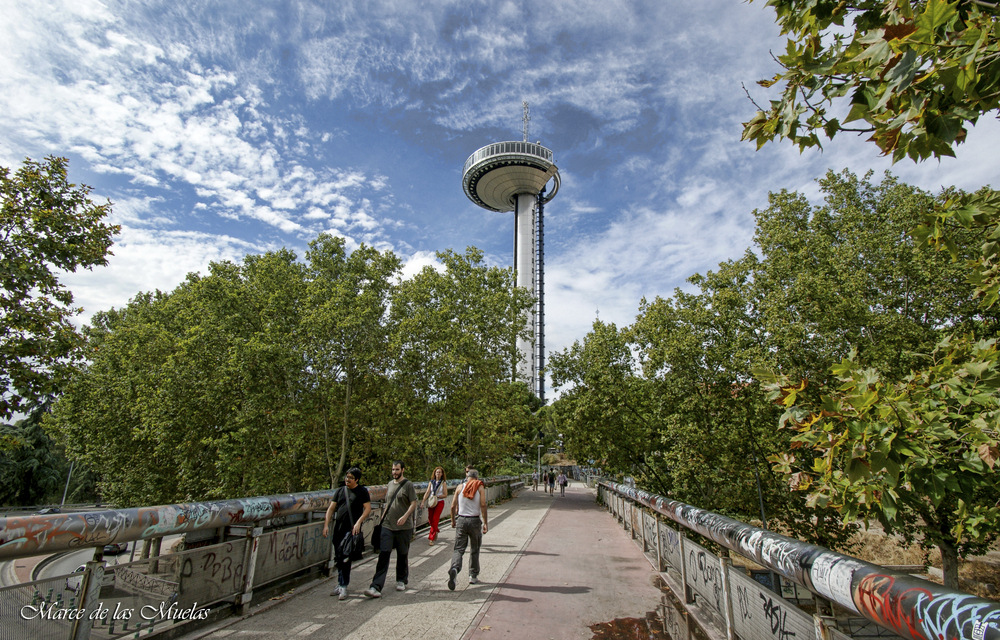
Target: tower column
(524,270)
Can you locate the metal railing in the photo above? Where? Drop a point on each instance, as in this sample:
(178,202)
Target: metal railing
(499,148)
(897,602)
(264,540)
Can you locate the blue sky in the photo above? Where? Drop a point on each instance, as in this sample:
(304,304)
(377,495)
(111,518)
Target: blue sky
(224,128)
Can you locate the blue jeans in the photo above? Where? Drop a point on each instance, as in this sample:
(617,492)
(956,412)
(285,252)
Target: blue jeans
(469,529)
(400,542)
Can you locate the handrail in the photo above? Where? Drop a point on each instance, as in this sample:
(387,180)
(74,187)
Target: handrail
(22,536)
(908,606)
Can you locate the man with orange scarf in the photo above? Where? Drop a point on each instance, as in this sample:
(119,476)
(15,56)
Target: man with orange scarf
(469,506)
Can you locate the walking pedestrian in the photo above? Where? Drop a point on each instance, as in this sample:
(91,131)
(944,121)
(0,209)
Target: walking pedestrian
(469,506)
(534,480)
(562,481)
(351,506)
(397,530)
(437,491)
(552,481)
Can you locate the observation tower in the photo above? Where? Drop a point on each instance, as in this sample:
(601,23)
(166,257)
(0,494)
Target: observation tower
(512,176)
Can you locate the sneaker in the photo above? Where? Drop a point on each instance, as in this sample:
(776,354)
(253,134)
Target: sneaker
(343,594)
(451,579)
(473,580)
(372,592)
(400,586)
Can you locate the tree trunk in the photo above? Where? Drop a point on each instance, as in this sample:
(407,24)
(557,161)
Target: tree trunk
(949,564)
(343,431)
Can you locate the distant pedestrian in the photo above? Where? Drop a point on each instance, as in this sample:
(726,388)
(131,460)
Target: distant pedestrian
(397,530)
(350,507)
(438,488)
(534,480)
(562,481)
(552,481)
(469,506)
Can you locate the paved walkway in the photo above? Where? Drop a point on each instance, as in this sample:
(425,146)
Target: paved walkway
(552,566)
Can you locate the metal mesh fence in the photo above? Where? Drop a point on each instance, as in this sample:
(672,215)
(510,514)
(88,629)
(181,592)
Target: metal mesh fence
(32,611)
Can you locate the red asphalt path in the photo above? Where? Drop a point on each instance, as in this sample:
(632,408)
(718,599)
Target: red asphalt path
(580,568)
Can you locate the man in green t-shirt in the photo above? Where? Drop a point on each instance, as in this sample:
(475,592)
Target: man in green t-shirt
(397,531)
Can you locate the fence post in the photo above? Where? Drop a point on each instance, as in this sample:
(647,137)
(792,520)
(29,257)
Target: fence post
(688,597)
(90,587)
(249,566)
(659,544)
(642,528)
(822,629)
(727,600)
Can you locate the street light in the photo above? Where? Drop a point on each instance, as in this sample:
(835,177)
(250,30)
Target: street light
(540,459)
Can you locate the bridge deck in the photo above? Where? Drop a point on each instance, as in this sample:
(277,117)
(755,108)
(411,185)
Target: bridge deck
(551,567)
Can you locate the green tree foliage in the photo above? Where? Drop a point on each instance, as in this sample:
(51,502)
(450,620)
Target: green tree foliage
(914,75)
(454,344)
(31,470)
(47,226)
(674,398)
(911,73)
(918,455)
(345,334)
(846,274)
(271,375)
(184,389)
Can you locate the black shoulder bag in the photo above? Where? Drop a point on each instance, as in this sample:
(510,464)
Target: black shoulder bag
(351,546)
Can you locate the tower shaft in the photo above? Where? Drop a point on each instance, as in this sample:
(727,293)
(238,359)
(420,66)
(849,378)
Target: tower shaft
(524,269)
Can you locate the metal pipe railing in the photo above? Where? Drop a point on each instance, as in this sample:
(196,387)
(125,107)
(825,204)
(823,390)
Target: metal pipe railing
(23,536)
(899,602)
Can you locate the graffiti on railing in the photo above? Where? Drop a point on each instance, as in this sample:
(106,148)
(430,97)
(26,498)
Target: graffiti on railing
(743,603)
(908,606)
(298,543)
(877,598)
(777,618)
(216,568)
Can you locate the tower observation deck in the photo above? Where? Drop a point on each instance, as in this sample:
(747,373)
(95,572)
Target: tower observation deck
(512,176)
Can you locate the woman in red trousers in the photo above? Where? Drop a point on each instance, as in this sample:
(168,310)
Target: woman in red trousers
(437,487)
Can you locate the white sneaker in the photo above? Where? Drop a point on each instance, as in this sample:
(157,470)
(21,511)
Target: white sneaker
(372,592)
(400,586)
(473,580)
(343,594)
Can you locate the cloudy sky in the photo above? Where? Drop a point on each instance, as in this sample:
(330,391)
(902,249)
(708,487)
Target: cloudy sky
(224,128)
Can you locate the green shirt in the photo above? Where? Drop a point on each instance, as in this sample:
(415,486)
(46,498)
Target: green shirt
(402,497)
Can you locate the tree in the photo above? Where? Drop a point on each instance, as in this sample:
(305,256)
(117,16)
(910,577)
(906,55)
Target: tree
(847,274)
(916,74)
(182,389)
(47,225)
(917,455)
(31,471)
(345,338)
(605,412)
(454,345)
(911,73)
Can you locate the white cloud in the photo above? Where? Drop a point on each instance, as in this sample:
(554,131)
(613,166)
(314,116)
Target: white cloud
(147,260)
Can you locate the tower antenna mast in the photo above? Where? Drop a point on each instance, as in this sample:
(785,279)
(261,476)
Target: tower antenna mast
(526,119)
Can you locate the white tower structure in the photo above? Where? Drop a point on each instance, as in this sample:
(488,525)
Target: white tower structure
(511,176)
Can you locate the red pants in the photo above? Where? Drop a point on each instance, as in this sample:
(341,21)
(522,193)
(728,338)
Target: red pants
(434,517)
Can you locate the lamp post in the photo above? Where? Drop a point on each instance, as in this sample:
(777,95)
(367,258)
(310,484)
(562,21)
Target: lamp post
(540,459)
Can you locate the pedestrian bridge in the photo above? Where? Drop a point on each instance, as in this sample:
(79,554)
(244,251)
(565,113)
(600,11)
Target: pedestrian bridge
(604,561)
